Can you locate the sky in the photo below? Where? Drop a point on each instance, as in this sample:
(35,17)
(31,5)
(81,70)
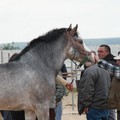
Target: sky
(24,20)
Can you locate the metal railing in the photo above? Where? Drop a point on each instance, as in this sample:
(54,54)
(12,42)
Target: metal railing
(6,54)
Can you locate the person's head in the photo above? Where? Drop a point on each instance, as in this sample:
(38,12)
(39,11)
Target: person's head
(13,57)
(87,64)
(117,58)
(103,51)
(119,53)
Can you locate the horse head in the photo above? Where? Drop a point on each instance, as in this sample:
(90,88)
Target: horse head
(78,51)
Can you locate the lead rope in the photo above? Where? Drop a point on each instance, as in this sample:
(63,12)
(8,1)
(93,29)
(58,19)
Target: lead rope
(85,59)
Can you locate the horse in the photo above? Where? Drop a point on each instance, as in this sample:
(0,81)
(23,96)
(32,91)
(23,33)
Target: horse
(29,82)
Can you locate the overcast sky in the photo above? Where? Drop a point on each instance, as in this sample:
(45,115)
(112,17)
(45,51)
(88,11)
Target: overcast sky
(24,20)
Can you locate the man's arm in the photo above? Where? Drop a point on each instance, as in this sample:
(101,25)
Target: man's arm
(63,82)
(86,88)
(114,70)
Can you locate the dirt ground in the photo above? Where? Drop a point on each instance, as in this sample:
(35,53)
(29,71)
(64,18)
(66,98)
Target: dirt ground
(68,112)
(70,108)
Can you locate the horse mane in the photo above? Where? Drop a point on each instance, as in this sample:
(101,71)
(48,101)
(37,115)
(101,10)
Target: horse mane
(14,57)
(47,38)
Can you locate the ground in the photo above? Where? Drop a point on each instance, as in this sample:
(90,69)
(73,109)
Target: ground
(70,108)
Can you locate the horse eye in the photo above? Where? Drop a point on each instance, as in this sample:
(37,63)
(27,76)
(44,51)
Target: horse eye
(81,41)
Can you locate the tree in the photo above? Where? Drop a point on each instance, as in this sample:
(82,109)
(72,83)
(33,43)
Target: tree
(9,47)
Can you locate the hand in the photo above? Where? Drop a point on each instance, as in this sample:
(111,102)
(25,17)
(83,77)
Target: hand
(96,58)
(86,110)
(69,86)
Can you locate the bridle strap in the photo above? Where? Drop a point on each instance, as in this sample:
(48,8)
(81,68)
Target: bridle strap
(85,59)
(73,44)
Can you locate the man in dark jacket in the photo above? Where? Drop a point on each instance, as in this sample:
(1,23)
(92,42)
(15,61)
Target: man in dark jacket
(104,52)
(94,88)
(114,93)
(93,92)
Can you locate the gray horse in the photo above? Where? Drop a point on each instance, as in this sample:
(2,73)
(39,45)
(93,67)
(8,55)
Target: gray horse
(29,82)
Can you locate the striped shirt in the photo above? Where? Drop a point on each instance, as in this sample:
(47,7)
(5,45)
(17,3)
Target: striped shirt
(114,70)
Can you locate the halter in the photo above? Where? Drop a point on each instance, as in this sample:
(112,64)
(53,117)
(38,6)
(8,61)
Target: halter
(73,44)
(85,59)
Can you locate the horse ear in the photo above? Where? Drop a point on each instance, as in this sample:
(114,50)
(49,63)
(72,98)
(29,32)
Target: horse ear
(74,30)
(70,26)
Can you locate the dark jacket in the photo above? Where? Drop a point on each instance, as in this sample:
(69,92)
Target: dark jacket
(64,71)
(94,87)
(114,94)
(110,58)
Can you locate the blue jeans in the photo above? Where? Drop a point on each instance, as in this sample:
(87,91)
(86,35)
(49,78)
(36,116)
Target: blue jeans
(58,111)
(6,115)
(97,114)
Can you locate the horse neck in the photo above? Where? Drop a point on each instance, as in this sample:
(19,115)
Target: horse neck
(51,57)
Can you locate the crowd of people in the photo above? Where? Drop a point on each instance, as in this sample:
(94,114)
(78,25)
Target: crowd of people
(98,89)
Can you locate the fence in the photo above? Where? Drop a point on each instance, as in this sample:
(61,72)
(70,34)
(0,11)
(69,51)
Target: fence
(6,54)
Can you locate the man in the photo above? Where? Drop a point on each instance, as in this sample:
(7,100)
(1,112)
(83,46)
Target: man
(113,99)
(113,70)
(93,92)
(97,82)
(104,52)
(60,88)
(116,87)
(55,104)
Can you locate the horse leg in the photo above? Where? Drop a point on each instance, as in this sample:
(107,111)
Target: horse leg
(52,113)
(42,112)
(30,115)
